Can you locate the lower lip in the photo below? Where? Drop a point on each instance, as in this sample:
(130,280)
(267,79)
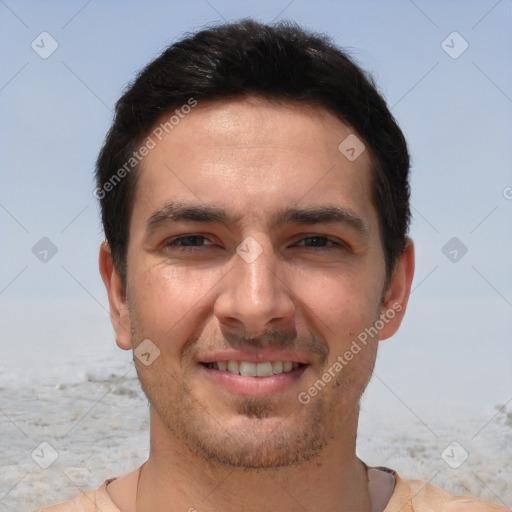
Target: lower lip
(254,386)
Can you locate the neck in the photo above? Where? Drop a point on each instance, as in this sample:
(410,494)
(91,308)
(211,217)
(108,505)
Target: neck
(174,478)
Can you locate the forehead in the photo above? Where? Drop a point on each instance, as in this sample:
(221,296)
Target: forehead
(254,156)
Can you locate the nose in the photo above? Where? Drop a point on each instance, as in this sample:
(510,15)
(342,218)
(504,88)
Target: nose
(255,295)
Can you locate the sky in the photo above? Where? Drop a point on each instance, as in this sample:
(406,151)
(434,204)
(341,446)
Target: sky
(445,71)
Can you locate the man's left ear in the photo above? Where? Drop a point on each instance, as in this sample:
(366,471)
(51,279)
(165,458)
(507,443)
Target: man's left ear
(397,293)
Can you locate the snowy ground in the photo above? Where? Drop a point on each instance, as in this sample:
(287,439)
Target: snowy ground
(97,427)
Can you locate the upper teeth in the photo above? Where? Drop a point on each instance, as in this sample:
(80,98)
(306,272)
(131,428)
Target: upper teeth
(264,369)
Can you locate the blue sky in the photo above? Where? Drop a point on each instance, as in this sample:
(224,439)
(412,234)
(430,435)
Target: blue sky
(455,346)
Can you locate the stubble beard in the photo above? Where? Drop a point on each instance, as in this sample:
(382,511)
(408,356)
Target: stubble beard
(266,439)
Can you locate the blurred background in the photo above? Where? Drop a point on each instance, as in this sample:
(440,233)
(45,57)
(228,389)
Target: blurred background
(446,377)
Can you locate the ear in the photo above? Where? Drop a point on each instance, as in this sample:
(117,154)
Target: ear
(397,293)
(119,313)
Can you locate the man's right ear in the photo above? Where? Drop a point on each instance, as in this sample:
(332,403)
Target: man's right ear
(119,313)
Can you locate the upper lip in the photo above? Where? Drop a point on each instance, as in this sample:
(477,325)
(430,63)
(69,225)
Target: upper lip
(258,355)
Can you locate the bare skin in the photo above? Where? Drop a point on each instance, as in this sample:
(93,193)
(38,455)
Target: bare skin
(312,280)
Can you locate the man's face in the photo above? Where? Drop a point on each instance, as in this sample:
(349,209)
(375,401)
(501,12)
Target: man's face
(254,247)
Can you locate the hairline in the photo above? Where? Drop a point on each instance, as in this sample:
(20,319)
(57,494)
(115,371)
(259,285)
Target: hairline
(309,105)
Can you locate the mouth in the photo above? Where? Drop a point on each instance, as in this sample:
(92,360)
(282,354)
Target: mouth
(250,369)
(250,378)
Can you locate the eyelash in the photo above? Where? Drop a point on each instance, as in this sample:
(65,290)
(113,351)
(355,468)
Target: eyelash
(333,244)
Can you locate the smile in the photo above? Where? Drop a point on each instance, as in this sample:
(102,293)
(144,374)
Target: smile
(249,369)
(251,378)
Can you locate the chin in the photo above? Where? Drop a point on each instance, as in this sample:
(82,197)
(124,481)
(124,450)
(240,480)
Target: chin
(255,438)
(264,453)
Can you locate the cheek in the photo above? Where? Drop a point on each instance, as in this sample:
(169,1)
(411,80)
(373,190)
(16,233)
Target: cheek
(344,304)
(344,308)
(167,303)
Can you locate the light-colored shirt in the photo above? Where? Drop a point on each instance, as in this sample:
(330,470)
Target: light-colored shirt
(406,496)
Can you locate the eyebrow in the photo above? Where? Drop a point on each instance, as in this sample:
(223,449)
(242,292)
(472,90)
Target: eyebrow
(182,212)
(179,212)
(320,215)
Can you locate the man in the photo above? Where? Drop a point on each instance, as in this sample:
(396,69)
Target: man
(255,199)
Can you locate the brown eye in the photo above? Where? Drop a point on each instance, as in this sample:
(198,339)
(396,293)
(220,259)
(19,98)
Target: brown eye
(317,241)
(188,241)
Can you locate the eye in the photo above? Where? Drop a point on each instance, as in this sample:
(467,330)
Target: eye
(319,241)
(188,241)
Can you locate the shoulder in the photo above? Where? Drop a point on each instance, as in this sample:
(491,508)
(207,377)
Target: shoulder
(90,501)
(418,496)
